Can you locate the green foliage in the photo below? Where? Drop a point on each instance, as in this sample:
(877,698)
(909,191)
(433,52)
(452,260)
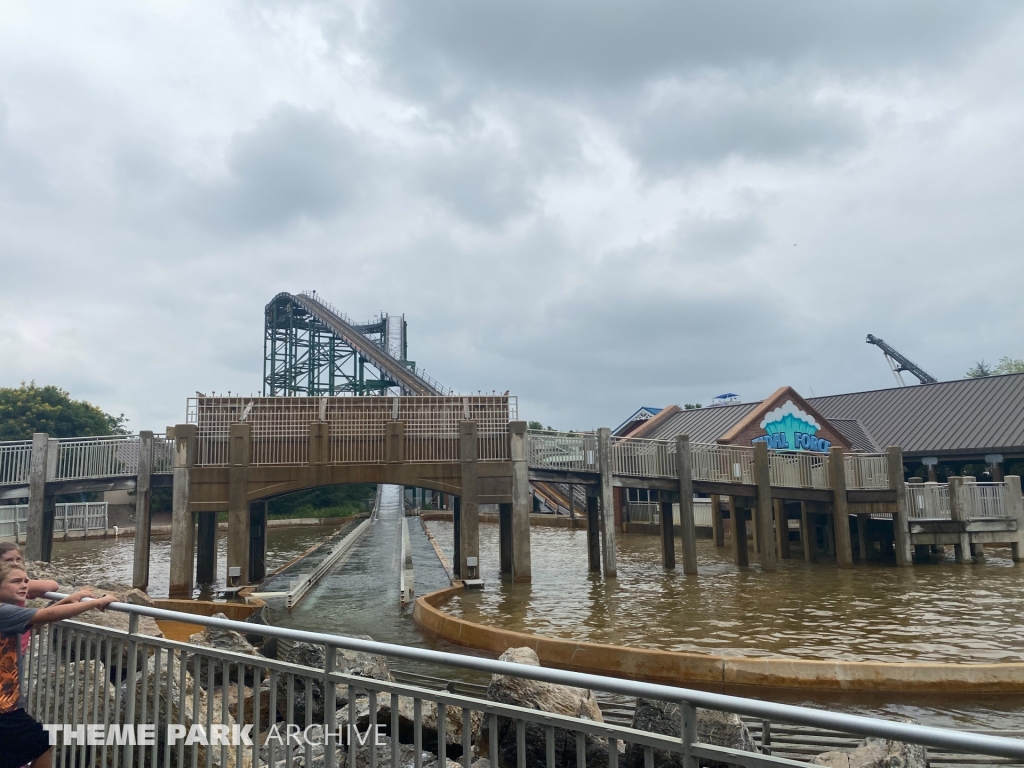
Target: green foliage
(534,425)
(28,408)
(332,501)
(691,406)
(1006,365)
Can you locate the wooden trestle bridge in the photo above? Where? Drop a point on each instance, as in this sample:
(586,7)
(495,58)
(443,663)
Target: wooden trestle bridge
(234,453)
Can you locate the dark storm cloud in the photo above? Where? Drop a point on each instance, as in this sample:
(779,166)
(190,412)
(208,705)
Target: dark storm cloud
(295,163)
(590,47)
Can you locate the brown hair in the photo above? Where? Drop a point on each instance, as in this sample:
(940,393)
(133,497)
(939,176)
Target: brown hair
(6,568)
(7,546)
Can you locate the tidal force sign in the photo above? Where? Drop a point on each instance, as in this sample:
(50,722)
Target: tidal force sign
(788,428)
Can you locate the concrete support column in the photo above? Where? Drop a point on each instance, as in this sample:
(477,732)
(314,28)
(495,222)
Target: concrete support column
(394,447)
(958,512)
(206,548)
(182,524)
(318,445)
(593,532)
(763,510)
(607,527)
(1015,510)
(717,524)
(143,495)
(522,567)
(470,528)
(740,553)
(39,528)
(258,540)
(572,501)
(668,538)
(239,454)
(781,528)
(901,517)
(688,530)
(840,507)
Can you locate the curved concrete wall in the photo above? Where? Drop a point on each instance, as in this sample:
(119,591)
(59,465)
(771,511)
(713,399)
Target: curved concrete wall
(679,668)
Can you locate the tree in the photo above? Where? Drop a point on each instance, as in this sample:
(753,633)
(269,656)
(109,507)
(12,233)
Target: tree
(29,408)
(691,406)
(1005,365)
(979,371)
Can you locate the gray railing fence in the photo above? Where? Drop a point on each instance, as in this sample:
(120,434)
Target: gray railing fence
(83,673)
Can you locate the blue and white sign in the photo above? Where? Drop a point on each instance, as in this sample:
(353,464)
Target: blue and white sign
(788,428)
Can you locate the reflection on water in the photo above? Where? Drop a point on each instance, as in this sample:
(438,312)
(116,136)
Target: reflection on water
(942,612)
(96,560)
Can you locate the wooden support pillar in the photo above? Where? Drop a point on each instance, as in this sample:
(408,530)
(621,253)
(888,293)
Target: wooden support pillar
(1015,511)
(182,564)
(593,528)
(457,537)
(901,517)
(688,529)
(740,553)
(808,534)
(668,538)
(781,529)
(519,541)
(206,548)
(39,527)
(239,454)
(840,507)
(717,523)
(763,510)
(958,512)
(572,502)
(505,539)
(604,463)
(143,495)
(258,541)
(862,537)
(470,533)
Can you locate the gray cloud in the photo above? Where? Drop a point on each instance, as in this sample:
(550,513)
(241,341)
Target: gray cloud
(295,163)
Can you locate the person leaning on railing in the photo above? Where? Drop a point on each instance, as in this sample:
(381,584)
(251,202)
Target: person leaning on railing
(23,739)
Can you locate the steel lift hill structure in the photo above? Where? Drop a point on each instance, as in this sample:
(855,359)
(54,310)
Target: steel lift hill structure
(312,349)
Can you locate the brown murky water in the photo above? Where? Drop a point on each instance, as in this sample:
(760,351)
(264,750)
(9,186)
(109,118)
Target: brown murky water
(875,612)
(939,612)
(111,559)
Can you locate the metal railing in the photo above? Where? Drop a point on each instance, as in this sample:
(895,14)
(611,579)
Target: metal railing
(866,470)
(927,501)
(84,458)
(15,459)
(715,463)
(798,469)
(80,516)
(566,451)
(984,500)
(639,457)
(82,673)
(69,517)
(356,427)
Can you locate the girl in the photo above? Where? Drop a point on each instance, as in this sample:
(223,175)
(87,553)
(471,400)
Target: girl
(24,740)
(11,553)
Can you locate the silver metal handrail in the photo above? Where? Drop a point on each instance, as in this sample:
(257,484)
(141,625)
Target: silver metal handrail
(15,459)
(689,699)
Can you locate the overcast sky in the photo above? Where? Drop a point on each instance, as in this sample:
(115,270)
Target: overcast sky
(595,205)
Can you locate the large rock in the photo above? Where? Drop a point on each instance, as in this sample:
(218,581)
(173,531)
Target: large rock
(721,729)
(225,640)
(208,705)
(876,753)
(83,681)
(547,697)
(37,569)
(347,662)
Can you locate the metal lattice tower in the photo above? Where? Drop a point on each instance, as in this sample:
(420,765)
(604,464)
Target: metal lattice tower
(310,348)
